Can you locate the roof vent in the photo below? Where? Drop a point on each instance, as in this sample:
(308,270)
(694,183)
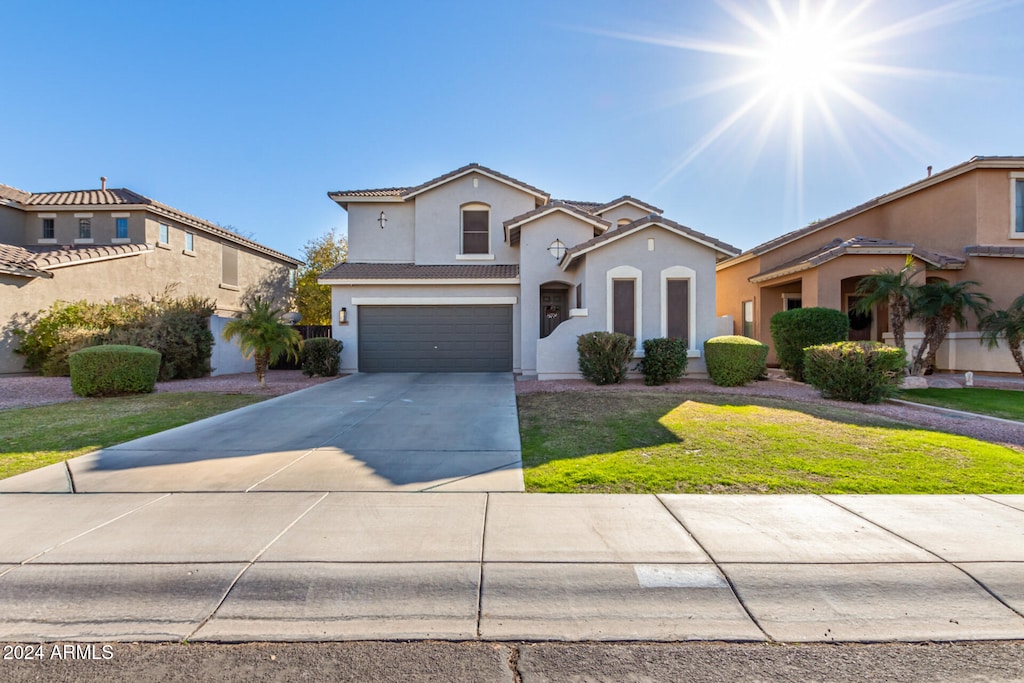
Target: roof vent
(103,181)
(929,171)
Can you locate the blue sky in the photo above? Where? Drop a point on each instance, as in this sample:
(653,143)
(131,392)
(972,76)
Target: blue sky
(247,114)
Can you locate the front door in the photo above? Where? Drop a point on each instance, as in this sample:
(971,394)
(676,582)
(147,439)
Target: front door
(860,323)
(552,309)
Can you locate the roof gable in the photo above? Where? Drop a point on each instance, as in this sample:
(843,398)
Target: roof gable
(721,248)
(540,196)
(626,199)
(513,225)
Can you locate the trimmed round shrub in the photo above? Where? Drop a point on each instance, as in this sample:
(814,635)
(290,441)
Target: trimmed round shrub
(734,361)
(604,356)
(321,356)
(793,331)
(664,360)
(866,372)
(114,369)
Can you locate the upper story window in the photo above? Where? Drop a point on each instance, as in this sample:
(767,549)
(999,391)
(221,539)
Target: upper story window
(228,265)
(190,242)
(48,232)
(1018,206)
(476,220)
(165,233)
(122,228)
(84,228)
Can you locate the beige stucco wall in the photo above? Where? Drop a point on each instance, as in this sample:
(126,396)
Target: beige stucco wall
(65,225)
(733,287)
(12,225)
(627,211)
(438,219)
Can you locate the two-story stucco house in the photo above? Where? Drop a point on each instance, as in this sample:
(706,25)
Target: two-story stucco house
(97,245)
(963,223)
(477,271)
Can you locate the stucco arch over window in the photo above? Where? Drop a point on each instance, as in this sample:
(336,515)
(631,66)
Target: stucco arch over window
(619,280)
(688,275)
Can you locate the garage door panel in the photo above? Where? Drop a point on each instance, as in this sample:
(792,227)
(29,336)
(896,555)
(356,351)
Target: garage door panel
(435,338)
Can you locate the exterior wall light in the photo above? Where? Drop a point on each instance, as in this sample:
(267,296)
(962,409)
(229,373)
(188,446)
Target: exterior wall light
(343,316)
(557,249)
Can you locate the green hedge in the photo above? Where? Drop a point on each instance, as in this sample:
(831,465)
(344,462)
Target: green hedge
(733,361)
(604,356)
(321,356)
(866,372)
(793,331)
(664,360)
(113,369)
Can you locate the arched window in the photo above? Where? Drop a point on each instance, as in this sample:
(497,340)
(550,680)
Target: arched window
(476,232)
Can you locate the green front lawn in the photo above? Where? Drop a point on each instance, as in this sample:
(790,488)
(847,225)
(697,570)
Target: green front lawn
(1002,403)
(33,437)
(608,442)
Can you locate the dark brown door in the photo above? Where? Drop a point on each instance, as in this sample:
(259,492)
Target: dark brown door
(678,313)
(860,323)
(552,310)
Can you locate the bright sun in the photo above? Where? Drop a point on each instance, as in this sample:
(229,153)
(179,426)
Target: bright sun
(801,61)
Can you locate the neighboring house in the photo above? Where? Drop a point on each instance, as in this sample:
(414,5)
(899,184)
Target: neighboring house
(477,271)
(964,223)
(102,244)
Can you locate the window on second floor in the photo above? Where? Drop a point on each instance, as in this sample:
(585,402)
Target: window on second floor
(228,265)
(84,228)
(122,228)
(476,220)
(190,242)
(1018,214)
(165,233)
(48,233)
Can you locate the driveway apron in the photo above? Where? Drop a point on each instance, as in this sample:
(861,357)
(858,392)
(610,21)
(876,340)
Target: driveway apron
(366,432)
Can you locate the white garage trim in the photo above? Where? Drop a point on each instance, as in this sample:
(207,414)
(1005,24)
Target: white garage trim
(423,301)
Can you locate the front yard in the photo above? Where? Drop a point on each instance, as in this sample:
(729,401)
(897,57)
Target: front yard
(1008,405)
(675,442)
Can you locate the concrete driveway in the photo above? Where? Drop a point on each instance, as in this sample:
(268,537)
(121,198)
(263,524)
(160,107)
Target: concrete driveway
(367,432)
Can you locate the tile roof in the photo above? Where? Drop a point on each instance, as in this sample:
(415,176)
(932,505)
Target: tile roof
(409,271)
(994,250)
(586,206)
(403,192)
(633,200)
(858,245)
(941,176)
(513,225)
(34,261)
(125,197)
(652,219)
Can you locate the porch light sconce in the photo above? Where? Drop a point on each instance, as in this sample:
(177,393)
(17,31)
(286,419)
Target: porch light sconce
(382,219)
(343,316)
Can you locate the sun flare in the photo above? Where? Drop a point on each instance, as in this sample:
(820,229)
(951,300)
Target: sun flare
(801,61)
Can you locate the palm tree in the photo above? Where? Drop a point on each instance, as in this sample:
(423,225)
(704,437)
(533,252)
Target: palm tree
(893,288)
(937,305)
(1008,323)
(261,334)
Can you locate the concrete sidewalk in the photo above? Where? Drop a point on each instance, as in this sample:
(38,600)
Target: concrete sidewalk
(506,566)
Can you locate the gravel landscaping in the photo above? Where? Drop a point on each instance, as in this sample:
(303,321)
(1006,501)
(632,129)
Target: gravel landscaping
(26,391)
(987,430)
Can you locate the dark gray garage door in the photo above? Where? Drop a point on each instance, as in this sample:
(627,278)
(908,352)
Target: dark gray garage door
(435,338)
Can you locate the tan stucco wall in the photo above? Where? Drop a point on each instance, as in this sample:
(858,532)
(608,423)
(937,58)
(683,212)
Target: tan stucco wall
(368,243)
(733,287)
(65,225)
(12,225)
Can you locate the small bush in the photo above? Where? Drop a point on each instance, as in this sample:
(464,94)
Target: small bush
(114,369)
(604,356)
(793,331)
(321,356)
(664,360)
(734,361)
(866,372)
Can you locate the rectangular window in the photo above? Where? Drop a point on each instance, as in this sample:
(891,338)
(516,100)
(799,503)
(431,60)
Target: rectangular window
(677,293)
(474,231)
(165,235)
(228,265)
(747,324)
(579,295)
(624,306)
(48,233)
(122,228)
(190,242)
(1018,227)
(84,228)
(293,278)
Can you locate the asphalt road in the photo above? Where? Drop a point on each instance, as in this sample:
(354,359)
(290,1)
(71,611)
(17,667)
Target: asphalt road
(512,662)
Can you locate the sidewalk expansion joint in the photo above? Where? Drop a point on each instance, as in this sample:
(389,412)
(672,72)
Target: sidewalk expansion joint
(951,563)
(721,569)
(244,569)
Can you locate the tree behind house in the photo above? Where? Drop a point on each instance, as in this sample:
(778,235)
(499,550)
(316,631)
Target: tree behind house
(313,301)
